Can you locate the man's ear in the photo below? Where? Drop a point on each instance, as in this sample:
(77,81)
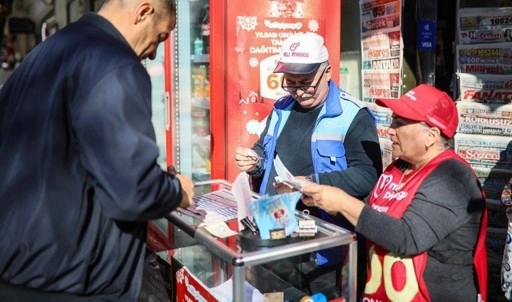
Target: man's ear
(328,72)
(144,10)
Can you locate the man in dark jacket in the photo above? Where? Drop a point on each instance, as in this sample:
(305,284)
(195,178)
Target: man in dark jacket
(78,159)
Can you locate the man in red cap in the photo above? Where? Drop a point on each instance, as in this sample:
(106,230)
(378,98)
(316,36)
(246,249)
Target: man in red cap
(425,220)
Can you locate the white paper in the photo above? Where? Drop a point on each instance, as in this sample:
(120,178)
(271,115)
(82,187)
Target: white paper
(243,195)
(225,292)
(220,229)
(284,175)
(281,170)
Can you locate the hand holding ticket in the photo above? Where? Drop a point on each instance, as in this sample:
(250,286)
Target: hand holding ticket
(284,176)
(246,159)
(297,185)
(283,173)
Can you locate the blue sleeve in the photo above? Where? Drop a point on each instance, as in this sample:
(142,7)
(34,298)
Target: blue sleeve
(364,159)
(116,137)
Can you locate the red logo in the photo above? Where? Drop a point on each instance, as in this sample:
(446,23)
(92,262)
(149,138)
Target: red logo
(279,213)
(294,46)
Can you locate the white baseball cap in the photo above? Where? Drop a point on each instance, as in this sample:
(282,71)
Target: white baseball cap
(302,53)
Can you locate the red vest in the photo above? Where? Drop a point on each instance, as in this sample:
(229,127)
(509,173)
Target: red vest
(395,278)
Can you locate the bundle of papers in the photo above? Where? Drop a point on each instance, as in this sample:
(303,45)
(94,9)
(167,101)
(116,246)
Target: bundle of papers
(215,206)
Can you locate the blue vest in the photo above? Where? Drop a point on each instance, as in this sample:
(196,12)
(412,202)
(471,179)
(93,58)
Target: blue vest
(331,126)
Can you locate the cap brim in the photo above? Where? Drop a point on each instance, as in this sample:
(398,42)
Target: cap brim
(400,108)
(294,68)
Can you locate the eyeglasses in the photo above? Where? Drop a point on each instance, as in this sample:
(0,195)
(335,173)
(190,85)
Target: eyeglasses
(305,88)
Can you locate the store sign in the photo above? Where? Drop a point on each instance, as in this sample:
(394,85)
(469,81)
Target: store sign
(427,35)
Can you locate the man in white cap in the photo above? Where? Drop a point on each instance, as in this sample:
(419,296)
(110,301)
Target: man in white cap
(320,132)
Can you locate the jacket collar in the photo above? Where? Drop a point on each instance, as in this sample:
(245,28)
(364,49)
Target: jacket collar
(105,25)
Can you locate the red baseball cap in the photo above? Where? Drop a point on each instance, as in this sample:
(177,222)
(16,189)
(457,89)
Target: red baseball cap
(425,103)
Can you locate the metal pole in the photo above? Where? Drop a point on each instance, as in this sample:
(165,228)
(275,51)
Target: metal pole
(238,283)
(352,271)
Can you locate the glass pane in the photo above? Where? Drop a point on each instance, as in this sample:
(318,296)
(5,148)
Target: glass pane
(191,65)
(158,98)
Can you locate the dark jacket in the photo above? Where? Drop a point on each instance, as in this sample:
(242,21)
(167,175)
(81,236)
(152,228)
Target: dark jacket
(78,162)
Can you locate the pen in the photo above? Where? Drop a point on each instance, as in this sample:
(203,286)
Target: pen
(249,224)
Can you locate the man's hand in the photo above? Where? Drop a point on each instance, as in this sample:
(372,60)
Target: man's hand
(187,187)
(246,159)
(282,187)
(325,197)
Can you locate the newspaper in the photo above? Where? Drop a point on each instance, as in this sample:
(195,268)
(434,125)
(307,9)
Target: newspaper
(485,25)
(487,119)
(381,45)
(485,58)
(485,88)
(382,131)
(382,115)
(382,49)
(378,15)
(381,83)
(386,151)
(485,151)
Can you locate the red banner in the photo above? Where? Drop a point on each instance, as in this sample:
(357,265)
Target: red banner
(255,31)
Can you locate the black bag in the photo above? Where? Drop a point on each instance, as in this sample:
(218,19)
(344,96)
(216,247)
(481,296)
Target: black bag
(157,280)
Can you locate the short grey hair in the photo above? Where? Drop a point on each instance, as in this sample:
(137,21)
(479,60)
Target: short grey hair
(443,140)
(166,7)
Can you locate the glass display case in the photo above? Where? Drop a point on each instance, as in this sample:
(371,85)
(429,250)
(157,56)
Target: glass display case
(180,76)
(248,266)
(190,95)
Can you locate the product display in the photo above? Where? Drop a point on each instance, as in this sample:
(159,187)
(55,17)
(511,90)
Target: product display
(483,136)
